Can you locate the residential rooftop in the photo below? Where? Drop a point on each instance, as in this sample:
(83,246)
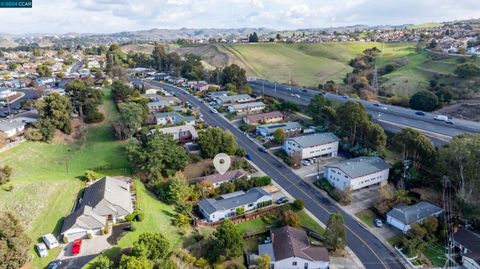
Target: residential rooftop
(306,141)
(413,213)
(361,166)
(232,200)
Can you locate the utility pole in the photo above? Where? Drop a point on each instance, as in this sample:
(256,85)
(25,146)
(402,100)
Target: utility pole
(406,165)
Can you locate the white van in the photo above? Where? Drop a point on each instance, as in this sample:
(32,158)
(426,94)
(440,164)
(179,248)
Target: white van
(50,241)
(41,249)
(440,118)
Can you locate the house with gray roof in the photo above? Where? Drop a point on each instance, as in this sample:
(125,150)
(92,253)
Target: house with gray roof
(173,118)
(246,108)
(218,179)
(106,199)
(401,217)
(290,248)
(224,206)
(357,173)
(234,99)
(468,243)
(312,145)
(291,128)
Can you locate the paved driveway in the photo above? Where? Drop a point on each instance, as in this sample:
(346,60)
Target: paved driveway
(363,199)
(90,249)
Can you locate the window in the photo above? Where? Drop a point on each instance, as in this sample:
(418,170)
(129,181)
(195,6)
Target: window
(250,205)
(305,266)
(294,263)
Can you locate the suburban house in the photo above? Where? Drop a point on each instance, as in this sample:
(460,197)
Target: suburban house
(264,118)
(247,108)
(216,94)
(291,128)
(313,145)
(401,217)
(198,86)
(217,179)
(182,133)
(106,200)
(175,80)
(357,173)
(290,248)
(234,99)
(468,244)
(159,102)
(11,128)
(226,205)
(173,118)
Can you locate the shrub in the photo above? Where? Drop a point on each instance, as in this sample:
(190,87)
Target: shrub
(298,204)
(133,227)
(202,263)
(140,216)
(65,239)
(130,217)
(261,181)
(240,211)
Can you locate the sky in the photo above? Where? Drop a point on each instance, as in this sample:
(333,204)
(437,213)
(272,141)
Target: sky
(107,16)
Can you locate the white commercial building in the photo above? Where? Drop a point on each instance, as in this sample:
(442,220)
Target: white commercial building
(357,173)
(314,145)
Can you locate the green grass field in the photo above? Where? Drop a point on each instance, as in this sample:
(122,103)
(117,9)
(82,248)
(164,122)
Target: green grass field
(44,191)
(367,216)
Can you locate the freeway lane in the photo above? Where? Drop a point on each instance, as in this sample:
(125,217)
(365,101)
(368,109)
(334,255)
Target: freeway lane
(390,113)
(367,247)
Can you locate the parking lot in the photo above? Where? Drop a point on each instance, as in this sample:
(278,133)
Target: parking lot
(15,106)
(317,167)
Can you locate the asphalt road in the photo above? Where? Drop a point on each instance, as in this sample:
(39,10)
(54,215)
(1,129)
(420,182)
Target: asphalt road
(387,113)
(366,246)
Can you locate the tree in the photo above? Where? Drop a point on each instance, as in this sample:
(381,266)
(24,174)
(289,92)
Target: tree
(84,99)
(278,37)
(120,91)
(253,38)
(131,119)
(153,246)
(467,70)
(90,175)
(234,74)
(159,56)
(424,100)
(290,218)
(316,107)
(247,89)
(279,135)
(298,204)
(229,239)
(157,155)
(215,140)
(56,109)
(43,70)
(415,146)
(227,187)
(459,161)
(102,262)
(42,130)
(12,66)
(14,242)
(6,173)
(263,262)
(335,232)
(192,67)
(178,189)
(353,117)
(133,262)
(231,88)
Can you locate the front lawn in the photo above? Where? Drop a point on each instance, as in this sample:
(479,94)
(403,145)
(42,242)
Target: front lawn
(46,176)
(436,254)
(367,216)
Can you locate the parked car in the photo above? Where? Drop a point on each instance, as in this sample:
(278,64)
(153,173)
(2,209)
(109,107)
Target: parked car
(262,149)
(54,265)
(282,200)
(214,111)
(378,223)
(305,163)
(345,96)
(41,249)
(420,113)
(76,246)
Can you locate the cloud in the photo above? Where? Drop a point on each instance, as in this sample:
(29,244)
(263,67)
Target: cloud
(60,16)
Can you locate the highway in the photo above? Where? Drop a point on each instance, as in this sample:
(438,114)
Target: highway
(366,246)
(388,116)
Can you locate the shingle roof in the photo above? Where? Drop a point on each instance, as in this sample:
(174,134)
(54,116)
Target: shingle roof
(230,175)
(413,213)
(293,242)
(264,116)
(361,166)
(227,202)
(175,130)
(230,98)
(469,240)
(84,218)
(109,196)
(306,141)
(272,127)
(247,105)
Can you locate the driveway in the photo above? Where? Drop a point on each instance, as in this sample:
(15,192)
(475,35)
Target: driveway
(363,199)
(315,168)
(90,249)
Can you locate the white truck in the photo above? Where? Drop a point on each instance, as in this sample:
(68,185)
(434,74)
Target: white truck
(440,117)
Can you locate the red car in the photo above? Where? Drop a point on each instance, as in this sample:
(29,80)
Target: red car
(77,246)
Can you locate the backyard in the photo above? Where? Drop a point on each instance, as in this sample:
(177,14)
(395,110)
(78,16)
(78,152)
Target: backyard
(47,177)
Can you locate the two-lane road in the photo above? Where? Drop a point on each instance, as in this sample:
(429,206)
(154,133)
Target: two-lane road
(366,246)
(386,115)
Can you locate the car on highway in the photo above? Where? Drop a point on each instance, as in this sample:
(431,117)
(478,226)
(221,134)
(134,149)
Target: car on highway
(282,200)
(440,118)
(249,157)
(297,95)
(378,223)
(214,111)
(376,104)
(450,121)
(76,246)
(54,265)
(262,149)
(420,113)
(304,90)
(345,96)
